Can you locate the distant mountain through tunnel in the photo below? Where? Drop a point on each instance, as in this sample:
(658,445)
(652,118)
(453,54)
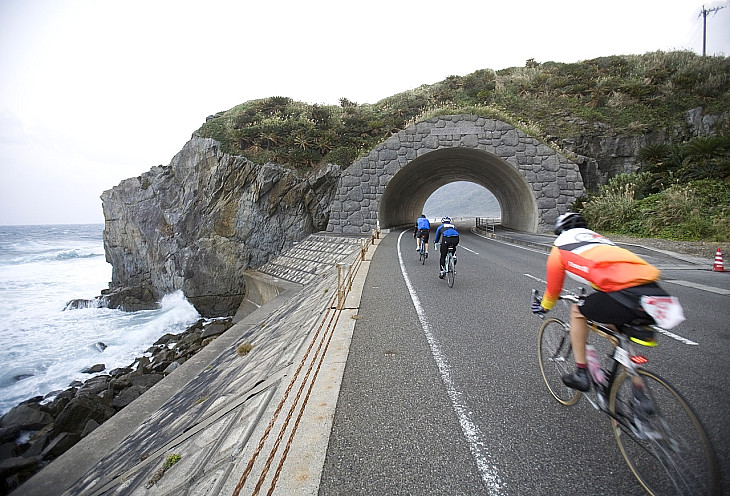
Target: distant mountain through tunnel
(462,199)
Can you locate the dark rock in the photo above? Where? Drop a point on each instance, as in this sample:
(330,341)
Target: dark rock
(146,380)
(60,444)
(9,433)
(26,417)
(17,464)
(161,366)
(7,450)
(131,299)
(95,385)
(216,328)
(120,371)
(166,339)
(78,303)
(127,396)
(99,346)
(77,413)
(90,426)
(142,364)
(94,369)
(121,382)
(170,368)
(36,445)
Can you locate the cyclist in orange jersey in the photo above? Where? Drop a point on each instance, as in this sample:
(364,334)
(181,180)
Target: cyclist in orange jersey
(619,277)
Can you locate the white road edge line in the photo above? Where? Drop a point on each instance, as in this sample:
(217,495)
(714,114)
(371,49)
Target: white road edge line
(467,249)
(679,338)
(473,435)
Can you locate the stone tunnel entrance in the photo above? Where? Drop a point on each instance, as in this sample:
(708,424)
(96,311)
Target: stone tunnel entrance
(389,187)
(409,189)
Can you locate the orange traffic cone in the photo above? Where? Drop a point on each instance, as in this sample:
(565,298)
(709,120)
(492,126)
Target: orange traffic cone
(718,267)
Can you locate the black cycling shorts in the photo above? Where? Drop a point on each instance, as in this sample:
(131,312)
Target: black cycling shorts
(620,307)
(423,232)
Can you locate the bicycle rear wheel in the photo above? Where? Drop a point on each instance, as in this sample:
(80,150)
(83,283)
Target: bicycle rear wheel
(450,270)
(556,359)
(668,450)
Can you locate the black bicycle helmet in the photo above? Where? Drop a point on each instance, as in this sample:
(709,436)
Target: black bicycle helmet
(569,220)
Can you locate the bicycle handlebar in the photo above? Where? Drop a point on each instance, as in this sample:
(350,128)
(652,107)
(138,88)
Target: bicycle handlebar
(568,295)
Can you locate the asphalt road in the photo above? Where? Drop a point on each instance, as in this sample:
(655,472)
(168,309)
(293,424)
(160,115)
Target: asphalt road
(442,392)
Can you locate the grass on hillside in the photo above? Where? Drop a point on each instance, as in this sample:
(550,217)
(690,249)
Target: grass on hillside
(553,102)
(628,94)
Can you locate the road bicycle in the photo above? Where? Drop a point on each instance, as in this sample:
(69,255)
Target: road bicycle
(450,266)
(659,435)
(422,253)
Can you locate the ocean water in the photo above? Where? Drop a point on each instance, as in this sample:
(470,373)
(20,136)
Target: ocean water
(44,348)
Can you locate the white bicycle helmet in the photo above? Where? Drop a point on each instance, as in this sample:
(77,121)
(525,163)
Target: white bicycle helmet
(569,220)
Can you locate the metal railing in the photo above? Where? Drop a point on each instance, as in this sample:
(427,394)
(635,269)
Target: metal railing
(487,224)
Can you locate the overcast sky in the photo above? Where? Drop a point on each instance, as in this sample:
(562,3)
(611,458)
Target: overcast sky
(94,91)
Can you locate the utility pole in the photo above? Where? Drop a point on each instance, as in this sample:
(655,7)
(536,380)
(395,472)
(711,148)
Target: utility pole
(704,25)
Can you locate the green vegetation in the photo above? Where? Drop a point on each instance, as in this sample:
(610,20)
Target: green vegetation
(244,349)
(553,102)
(171,460)
(681,192)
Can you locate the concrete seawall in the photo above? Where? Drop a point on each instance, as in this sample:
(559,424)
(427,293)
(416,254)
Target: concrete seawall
(231,420)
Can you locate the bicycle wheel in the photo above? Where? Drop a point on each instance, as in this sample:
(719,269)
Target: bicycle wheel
(450,271)
(423,254)
(667,450)
(556,359)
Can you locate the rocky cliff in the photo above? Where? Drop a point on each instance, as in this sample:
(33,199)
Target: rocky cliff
(200,222)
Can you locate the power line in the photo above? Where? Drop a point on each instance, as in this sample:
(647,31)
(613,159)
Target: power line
(704,24)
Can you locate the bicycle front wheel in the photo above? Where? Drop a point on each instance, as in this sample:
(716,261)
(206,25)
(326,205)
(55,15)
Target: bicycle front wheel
(450,271)
(663,442)
(556,359)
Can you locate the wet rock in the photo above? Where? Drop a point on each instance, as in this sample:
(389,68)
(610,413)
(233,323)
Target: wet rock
(216,328)
(99,346)
(94,369)
(131,299)
(95,385)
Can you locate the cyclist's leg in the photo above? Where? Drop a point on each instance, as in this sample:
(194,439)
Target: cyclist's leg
(442,259)
(578,334)
(578,379)
(598,307)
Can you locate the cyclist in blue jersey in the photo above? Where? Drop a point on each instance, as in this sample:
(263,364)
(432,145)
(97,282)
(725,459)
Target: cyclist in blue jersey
(423,229)
(449,236)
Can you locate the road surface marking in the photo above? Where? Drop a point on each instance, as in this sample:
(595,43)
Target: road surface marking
(474,436)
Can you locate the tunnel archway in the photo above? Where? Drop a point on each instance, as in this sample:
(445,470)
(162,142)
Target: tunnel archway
(409,189)
(387,188)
